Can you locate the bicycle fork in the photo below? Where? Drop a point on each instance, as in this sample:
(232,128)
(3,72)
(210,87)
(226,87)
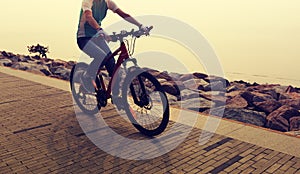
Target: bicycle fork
(142,99)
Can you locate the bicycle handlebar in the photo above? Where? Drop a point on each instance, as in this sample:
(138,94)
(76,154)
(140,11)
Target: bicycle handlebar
(138,33)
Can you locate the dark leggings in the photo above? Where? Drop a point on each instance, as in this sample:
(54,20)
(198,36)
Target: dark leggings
(97,49)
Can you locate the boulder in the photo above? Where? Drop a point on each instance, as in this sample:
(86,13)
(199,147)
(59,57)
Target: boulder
(200,75)
(279,119)
(260,87)
(187,94)
(162,81)
(295,103)
(278,123)
(217,97)
(253,96)
(36,57)
(175,76)
(5,62)
(70,64)
(267,106)
(295,123)
(23,58)
(280,89)
(293,95)
(284,92)
(233,93)
(241,115)
(270,91)
(283,96)
(62,73)
(236,102)
(186,77)
(151,71)
(171,88)
(8,54)
(290,89)
(15,59)
(46,60)
(241,84)
(212,78)
(53,69)
(45,71)
(58,62)
(172,100)
(197,104)
(32,67)
(215,86)
(23,66)
(194,84)
(232,88)
(164,75)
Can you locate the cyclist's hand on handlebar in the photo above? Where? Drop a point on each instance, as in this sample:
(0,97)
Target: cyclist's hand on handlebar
(144,29)
(102,34)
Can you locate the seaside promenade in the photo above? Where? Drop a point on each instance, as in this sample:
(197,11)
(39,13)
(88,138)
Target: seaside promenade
(40,134)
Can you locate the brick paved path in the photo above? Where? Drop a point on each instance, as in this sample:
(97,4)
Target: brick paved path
(39,133)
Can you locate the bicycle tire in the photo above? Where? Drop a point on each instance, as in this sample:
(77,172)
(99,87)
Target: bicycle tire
(92,107)
(131,86)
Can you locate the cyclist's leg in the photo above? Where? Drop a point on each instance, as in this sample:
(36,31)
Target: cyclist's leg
(96,50)
(110,65)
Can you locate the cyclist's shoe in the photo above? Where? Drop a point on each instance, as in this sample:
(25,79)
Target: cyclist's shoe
(118,101)
(87,83)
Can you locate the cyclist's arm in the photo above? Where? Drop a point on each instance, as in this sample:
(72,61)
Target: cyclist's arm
(88,14)
(91,20)
(127,17)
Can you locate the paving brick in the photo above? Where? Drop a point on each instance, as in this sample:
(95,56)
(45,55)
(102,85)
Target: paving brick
(259,156)
(245,165)
(220,162)
(279,172)
(287,165)
(260,163)
(247,158)
(271,154)
(232,167)
(273,168)
(258,151)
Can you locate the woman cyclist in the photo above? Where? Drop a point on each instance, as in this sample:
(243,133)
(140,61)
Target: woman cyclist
(91,37)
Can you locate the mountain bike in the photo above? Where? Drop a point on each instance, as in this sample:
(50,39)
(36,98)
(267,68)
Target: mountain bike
(142,96)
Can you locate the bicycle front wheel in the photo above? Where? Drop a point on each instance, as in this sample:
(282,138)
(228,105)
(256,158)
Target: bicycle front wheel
(145,102)
(86,101)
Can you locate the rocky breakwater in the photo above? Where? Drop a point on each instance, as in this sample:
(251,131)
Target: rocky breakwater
(44,66)
(271,106)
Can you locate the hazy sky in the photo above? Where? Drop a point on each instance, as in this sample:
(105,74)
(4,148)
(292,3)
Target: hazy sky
(249,36)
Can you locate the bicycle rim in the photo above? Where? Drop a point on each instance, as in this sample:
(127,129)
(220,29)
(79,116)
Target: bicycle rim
(86,101)
(148,112)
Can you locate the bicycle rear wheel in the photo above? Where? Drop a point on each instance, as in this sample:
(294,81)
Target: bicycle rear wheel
(145,102)
(86,101)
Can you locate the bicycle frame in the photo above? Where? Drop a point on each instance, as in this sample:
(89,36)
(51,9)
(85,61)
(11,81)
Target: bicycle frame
(123,55)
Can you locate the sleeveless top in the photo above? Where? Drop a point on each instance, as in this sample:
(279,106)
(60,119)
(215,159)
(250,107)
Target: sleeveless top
(99,10)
